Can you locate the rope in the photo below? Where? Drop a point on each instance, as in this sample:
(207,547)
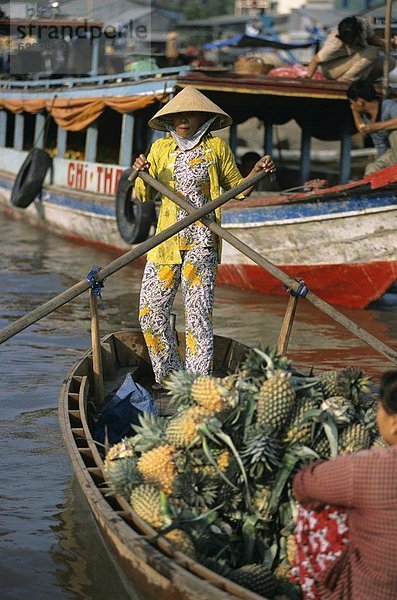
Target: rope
(96,286)
(301,291)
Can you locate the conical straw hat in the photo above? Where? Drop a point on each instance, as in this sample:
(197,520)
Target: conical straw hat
(189,100)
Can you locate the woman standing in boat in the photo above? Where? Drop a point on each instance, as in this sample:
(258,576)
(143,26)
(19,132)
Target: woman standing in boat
(197,165)
(348,551)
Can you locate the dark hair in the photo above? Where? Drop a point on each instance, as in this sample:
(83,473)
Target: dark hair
(362,89)
(388,392)
(349,29)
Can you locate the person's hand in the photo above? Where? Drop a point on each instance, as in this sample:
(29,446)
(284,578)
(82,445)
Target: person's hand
(393,42)
(368,127)
(141,163)
(266,163)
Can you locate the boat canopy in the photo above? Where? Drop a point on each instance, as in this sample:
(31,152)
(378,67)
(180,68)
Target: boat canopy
(76,114)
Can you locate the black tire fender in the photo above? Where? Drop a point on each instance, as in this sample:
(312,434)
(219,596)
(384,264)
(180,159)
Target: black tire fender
(29,181)
(134,218)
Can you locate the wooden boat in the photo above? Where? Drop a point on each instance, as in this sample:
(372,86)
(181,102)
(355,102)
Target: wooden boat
(339,240)
(151,568)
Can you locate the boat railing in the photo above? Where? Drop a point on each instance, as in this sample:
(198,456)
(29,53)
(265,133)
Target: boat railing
(70,82)
(295,287)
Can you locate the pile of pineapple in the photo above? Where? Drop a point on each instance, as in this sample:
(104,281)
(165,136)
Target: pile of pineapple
(215,478)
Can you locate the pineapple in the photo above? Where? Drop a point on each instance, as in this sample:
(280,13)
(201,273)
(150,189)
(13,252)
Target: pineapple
(322,447)
(261,451)
(261,502)
(123,476)
(182,541)
(275,401)
(158,468)
(208,393)
(223,460)
(146,502)
(299,430)
(350,383)
(282,573)
(340,409)
(257,578)
(291,549)
(197,488)
(379,442)
(353,438)
(118,451)
(182,430)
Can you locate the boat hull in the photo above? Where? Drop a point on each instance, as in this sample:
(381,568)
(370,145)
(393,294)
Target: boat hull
(152,568)
(342,247)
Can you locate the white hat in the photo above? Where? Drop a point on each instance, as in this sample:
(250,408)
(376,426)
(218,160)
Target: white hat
(190,100)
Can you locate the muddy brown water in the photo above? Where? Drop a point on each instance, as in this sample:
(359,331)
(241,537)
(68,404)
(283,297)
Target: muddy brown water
(49,546)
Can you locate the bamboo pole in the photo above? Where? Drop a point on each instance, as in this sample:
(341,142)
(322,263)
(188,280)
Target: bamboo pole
(286,326)
(79,288)
(277,273)
(386,59)
(96,351)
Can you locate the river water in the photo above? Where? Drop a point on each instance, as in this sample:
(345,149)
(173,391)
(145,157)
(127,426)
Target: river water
(49,545)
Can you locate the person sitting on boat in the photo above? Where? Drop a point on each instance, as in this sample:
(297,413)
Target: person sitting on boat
(377,117)
(346,534)
(351,52)
(196,164)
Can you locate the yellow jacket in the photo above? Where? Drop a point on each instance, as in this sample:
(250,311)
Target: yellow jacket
(223,173)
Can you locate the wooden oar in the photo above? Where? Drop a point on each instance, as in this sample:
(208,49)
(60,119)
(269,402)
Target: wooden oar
(141,249)
(277,273)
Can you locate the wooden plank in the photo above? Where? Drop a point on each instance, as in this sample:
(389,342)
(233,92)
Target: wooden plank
(19,131)
(96,351)
(127,133)
(91,142)
(62,136)
(39,130)
(286,326)
(108,359)
(3,128)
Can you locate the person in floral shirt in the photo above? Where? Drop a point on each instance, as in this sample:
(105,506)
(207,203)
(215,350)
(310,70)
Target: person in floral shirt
(196,165)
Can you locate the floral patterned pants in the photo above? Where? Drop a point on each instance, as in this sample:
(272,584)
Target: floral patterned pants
(160,283)
(321,537)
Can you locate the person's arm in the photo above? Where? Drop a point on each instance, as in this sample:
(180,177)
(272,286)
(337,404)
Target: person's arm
(376,40)
(328,482)
(312,66)
(266,163)
(358,120)
(379,126)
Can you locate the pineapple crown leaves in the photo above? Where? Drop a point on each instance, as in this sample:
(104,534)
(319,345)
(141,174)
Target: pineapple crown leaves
(123,475)
(150,433)
(211,459)
(330,429)
(261,362)
(369,419)
(289,462)
(179,385)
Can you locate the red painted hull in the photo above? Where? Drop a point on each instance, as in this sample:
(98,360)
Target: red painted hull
(353,285)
